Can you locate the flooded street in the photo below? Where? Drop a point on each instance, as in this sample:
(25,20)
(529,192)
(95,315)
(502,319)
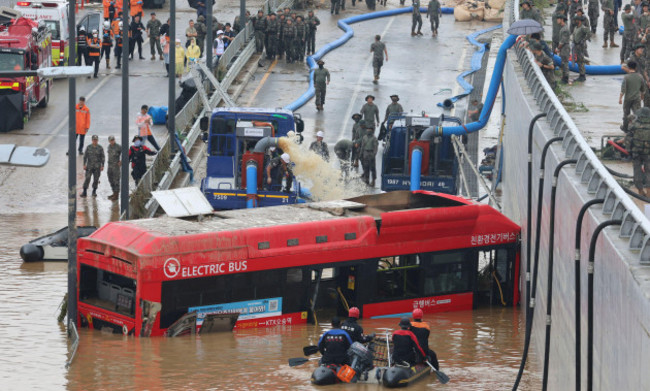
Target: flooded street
(479,350)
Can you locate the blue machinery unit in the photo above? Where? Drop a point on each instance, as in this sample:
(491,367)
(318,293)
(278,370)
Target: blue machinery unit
(416,159)
(238,152)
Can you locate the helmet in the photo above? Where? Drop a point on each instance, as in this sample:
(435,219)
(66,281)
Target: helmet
(82,28)
(320,134)
(417,313)
(94,31)
(106,24)
(353,312)
(120,24)
(285,157)
(404,322)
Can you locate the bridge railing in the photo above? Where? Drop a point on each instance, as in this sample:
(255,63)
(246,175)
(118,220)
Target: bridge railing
(593,174)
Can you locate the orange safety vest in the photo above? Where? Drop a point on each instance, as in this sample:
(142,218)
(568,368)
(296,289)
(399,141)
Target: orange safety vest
(143,125)
(83,118)
(115,27)
(135,8)
(106,4)
(93,47)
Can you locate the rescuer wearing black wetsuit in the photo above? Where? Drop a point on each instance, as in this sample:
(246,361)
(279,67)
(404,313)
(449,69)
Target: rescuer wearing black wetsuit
(406,348)
(421,330)
(334,344)
(354,329)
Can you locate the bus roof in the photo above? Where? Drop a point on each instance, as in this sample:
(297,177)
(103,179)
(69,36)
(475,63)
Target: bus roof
(371,220)
(256,110)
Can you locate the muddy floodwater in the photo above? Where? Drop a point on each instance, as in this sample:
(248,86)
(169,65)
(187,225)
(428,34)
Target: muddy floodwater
(479,350)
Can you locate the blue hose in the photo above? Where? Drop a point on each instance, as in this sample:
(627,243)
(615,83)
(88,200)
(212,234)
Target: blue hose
(251,185)
(416,168)
(477,59)
(348,33)
(489,97)
(592,69)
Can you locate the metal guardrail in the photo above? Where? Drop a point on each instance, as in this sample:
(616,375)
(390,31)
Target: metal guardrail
(161,173)
(592,172)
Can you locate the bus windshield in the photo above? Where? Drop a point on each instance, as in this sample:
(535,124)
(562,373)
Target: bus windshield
(53,25)
(12,61)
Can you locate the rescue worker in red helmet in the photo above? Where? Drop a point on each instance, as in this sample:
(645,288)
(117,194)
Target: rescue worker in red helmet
(421,330)
(354,329)
(406,349)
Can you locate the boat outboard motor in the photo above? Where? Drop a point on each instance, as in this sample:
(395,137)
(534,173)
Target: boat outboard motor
(360,360)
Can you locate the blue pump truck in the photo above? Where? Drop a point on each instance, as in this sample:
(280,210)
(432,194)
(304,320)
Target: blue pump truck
(439,166)
(239,138)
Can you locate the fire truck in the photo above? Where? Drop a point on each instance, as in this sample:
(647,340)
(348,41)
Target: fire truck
(24,45)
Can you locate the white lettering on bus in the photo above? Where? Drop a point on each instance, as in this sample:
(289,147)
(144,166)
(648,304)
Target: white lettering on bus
(213,269)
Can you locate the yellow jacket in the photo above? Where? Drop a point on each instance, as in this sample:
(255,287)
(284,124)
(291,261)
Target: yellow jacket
(194,52)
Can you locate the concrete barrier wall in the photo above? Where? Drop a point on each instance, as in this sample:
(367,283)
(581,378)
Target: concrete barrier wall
(621,282)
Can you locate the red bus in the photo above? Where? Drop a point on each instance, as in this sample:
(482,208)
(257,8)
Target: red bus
(385,254)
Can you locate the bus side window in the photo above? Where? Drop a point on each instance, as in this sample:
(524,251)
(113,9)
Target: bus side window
(448,272)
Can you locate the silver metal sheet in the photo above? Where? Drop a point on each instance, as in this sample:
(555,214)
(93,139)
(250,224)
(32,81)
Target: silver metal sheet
(183,202)
(5,152)
(65,72)
(23,156)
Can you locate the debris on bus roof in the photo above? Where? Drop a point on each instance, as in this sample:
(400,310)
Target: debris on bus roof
(337,207)
(183,202)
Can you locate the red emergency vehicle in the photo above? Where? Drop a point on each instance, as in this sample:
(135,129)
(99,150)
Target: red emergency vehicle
(385,254)
(24,45)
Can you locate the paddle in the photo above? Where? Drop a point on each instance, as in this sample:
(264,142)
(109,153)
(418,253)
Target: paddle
(444,379)
(309,350)
(294,362)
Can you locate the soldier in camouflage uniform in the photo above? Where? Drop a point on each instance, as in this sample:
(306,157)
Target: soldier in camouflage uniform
(321,80)
(574,5)
(369,145)
(289,34)
(564,47)
(93,165)
(580,37)
(638,56)
(378,49)
(114,152)
(357,129)
(416,19)
(628,32)
(544,62)
(433,13)
(282,20)
(343,150)
(609,25)
(299,42)
(528,12)
(272,31)
(555,37)
(640,134)
(259,23)
(312,24)
(201,32)
(593,12)
(393,108)
(633,89)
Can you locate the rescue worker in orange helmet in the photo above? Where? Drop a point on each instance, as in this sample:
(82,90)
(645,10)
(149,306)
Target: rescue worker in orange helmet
(354,329)
(421,330)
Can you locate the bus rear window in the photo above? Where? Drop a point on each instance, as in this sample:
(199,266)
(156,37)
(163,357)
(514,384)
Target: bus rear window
(107,290)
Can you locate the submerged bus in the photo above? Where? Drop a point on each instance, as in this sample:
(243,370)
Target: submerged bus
(385,254)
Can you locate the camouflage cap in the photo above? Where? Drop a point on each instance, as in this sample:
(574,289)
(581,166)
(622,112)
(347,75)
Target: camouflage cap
(362,122)
(627,7)
(639,46)
(563,17)
(95,137)
(535,46)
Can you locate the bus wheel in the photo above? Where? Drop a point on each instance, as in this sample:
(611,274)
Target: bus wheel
(46,99)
